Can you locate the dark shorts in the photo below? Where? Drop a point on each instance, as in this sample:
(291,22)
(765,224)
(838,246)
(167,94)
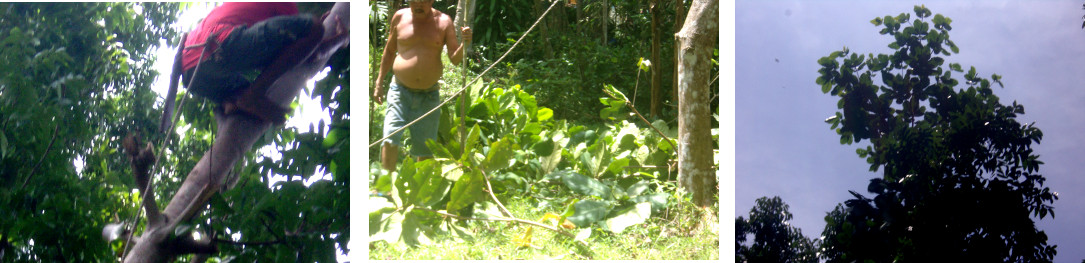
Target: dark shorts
(234,64)
(406,105)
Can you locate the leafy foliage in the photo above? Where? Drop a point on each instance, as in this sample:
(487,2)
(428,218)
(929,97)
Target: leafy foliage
(960,181)
(520,148)
(75,78)
(774,239)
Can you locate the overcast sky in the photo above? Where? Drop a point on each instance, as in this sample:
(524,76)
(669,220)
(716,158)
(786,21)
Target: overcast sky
(783,147)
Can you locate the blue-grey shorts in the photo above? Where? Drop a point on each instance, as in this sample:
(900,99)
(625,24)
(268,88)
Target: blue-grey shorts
(405,105)
(232,66)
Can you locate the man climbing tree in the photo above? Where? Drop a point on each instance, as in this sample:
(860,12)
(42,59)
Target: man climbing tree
(413,54)
(306,46)
(236,38)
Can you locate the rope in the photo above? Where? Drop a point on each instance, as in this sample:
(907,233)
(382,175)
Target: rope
(167,132)
(462,89)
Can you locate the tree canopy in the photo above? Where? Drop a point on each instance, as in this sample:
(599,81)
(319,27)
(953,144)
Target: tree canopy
(774,239)
(959,179)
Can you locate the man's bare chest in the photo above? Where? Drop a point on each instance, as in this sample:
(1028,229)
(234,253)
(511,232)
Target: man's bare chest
(426,34)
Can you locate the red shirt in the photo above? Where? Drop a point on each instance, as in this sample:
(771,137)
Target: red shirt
(224,19)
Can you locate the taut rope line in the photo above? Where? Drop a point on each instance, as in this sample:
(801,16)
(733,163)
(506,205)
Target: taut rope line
(465,85)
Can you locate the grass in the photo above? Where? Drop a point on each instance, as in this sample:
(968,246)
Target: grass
(669,235)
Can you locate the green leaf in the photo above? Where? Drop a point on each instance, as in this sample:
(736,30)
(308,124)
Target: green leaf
(532,128)
(585,185)
(637,188)
(629,217)
(438,150)
(433,187)
(588,212)
(472,139)
(543,148)
(658,200)
(219,204)
(545,114)
(570,209)
(466,191)
(955,67)
(413,230)
(499,155)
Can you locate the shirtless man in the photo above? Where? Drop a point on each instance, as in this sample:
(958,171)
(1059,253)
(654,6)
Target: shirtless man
(414,48)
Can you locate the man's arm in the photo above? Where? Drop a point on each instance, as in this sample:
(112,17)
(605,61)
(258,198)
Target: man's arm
(455,50)
(390,48)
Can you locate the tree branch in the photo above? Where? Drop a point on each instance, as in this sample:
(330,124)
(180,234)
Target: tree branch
(517,220)
(254,243)
(42,159)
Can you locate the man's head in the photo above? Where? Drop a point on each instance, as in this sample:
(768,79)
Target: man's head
(420,7)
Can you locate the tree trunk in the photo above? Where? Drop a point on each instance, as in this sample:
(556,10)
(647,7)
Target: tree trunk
(696,41)
(236,135)
(680,15)
(654,111)
(606,20)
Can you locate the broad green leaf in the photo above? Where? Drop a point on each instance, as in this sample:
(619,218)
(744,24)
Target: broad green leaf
(658,200)
(532,128)
(499,155)
(333,137)
(588,212)
(451,172)
(466,191)
(414,230)
(472,139)
(618,163)
(585,185)
(629,217)
(403,184)
(378,207)
(543,148)
(439,151)
(384,183)
(545,114)
(433,186)
(637,188)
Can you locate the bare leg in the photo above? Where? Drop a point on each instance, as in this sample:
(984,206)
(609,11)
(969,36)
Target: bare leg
(389,156)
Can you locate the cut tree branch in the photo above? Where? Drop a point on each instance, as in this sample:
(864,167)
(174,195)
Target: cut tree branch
(517,220)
